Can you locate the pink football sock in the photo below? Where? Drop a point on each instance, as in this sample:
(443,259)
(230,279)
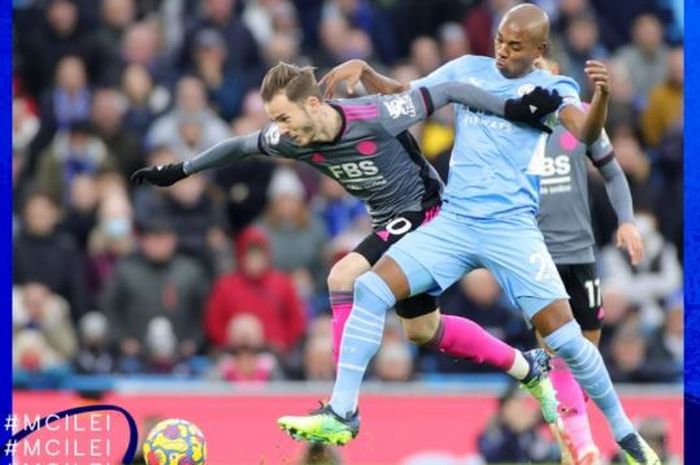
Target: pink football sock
(572,405)
(341,306)
(463,338)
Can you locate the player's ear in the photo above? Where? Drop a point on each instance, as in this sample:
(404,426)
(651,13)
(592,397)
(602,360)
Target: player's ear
(313,102)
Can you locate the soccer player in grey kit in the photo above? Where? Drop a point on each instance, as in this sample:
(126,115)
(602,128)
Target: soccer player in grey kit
(565,221)
(365,145)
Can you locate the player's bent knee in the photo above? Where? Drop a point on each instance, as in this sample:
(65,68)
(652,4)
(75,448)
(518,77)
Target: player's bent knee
(344,273)
(341,279)
(552,317)
(421,330)
(391,273)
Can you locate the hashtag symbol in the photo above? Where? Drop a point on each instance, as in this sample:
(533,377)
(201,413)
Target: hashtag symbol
(10,422)
(10,447)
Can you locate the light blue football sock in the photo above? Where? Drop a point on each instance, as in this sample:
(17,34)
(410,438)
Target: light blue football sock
(587,366)
(361,339)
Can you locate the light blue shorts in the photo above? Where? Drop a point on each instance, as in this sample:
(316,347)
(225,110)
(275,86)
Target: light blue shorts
(440,252)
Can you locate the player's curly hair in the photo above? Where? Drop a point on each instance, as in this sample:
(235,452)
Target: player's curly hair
(297,83)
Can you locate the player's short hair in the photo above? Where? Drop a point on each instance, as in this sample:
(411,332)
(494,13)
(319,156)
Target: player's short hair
(296,83)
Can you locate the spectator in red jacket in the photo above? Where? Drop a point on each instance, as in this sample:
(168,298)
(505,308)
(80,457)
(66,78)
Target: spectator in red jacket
(258,289)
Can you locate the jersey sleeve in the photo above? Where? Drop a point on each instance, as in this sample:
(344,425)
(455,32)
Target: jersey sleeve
(569,91)
(601,151)
(401,111)
(444,73)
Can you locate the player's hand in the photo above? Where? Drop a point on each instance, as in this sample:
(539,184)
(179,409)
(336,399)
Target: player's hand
(628,237)
(532,107)
(162,175)
(350,71)
(598,74)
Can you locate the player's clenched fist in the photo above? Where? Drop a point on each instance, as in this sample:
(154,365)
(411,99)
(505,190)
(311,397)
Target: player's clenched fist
(598,73)
(162,175)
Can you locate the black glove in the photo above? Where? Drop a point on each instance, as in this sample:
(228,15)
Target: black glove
(162,175)
(530,108)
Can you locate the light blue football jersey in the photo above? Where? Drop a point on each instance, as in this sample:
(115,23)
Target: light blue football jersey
(495,164)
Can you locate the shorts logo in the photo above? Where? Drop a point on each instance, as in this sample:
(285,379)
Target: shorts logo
(400,106)
(525,89)
(272,135)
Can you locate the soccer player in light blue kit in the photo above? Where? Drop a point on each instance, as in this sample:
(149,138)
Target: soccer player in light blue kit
(487,220)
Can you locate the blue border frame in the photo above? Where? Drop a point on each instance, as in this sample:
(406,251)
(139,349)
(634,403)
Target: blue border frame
(6,208)
(692,236)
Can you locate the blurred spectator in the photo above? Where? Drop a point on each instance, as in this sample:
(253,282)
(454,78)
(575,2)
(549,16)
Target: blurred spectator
(394,362)
(580,44)
(265,18)
(115,18)
(566,11)
(155,282)
(220,15)
(425,55)
(108,110)
(94,354)
(646,55)
(665,351)
(338,209)
(627,362)
(244,183)
(513,435)
(36,309)
(55,36)
(665,107)
(71,153)
(25,123)
(65,103)
(616,310)
(196,217)
(246,357)
(318,351)
(297,237)
(283,47)
(43,254)
(111,240)
(80,215)
(259,289)
(191,126)
(145,100)
(622,109)
(481,23)
(142,44)
(654,279)
(225,87)
(453,42)
(366,21)
(162,355)
(478,297)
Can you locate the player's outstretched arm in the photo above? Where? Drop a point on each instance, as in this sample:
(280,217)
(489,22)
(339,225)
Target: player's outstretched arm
(355,71)
(618,190)
(587,126)
(528,109)
(217,156)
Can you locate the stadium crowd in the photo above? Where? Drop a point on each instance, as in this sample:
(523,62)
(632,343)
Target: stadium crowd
(228,268)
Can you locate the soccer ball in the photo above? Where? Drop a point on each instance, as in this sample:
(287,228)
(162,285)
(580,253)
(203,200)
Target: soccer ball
(175,442)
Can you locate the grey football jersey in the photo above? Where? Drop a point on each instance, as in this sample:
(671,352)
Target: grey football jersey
(565,215)
(374,157)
